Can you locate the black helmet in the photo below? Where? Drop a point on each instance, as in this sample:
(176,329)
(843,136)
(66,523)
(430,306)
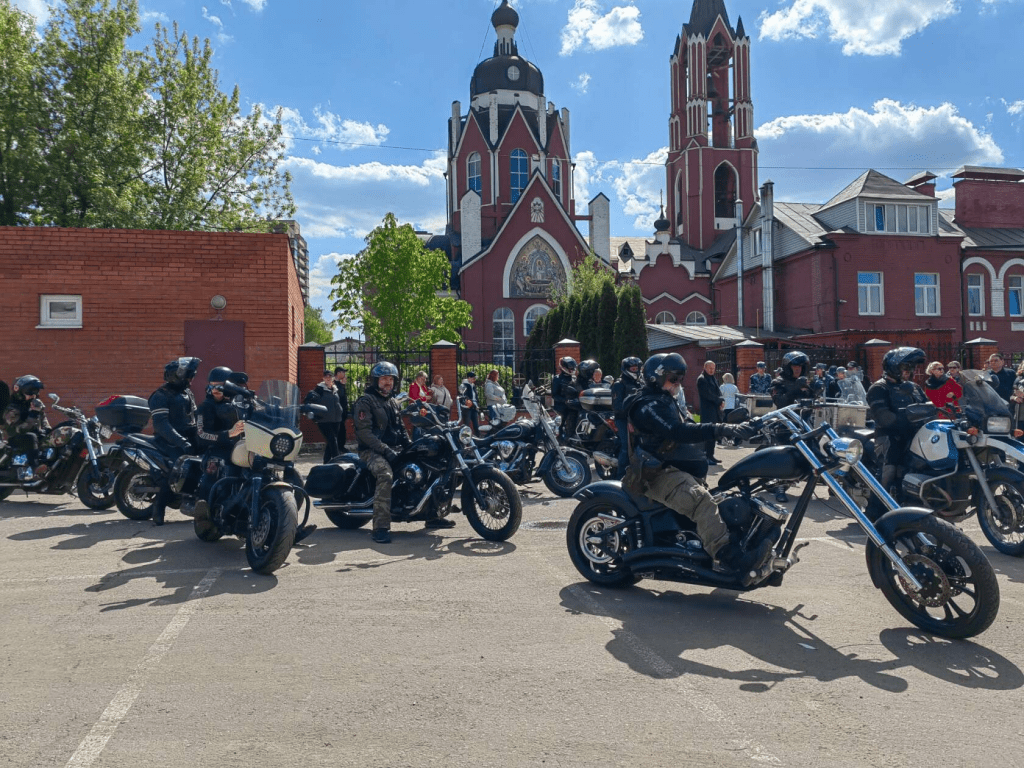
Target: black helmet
(28,386)
(220,373)
(241,378)
(631,362)
(896,359)
(383,368)
(586,370)
(795,358)
(567,365)
(660,368)
(178,373)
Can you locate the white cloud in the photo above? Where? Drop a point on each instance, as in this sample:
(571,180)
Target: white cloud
(320,273)
(147,16)
(256,5)
(40,9)
(636,184)
(587,25)
(811,157)
(583,174)
(870,27)
(215,20)
(329,128)
(1016,108)
(582,83)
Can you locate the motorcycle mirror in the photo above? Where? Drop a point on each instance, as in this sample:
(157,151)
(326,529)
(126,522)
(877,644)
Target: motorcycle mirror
(53,396)
(312,409)
(233,390)
(401,397)
(737,416)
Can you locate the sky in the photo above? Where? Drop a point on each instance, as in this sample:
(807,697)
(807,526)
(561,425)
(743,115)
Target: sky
(839,86)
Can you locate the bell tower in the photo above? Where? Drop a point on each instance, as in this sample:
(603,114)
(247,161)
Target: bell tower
(712,159)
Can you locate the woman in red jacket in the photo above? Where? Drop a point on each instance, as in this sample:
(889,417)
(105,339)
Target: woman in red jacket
(941,389)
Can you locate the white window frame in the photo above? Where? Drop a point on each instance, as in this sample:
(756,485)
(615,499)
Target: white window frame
(45,321)
(892,215)
(521,175)
(879,286)
(658,320)
(503,347)
(925,289)
(1019,289)
(474,157)
(980,289)
(696,318)
(527,317)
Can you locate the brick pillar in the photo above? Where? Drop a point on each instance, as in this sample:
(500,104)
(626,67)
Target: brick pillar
(311,373)
(443,359)
(566,348)
(875,350)
(748,353)
(980,349)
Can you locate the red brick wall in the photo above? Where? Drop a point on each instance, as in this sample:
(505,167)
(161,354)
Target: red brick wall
(138,288)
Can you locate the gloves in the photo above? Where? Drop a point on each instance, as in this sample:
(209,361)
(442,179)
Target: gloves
(390,454)
(802,382)
(735,431)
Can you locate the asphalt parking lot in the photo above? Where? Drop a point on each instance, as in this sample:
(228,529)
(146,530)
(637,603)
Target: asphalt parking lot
(124,644)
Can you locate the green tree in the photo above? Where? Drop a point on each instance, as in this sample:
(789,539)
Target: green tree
(630,338)
(21,110)
(209,166)
(397,290)
(588,337)
(553,326)
(608,304)
(573,310)
(586,278)
(317,328)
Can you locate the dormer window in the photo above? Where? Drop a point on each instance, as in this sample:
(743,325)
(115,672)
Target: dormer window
(897,218)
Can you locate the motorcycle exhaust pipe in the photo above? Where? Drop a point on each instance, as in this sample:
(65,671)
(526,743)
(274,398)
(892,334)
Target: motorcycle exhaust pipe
(605,460)
(705,574)
(639,555)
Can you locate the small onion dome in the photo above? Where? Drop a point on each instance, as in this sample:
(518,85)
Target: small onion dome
(505,16)
(662,224)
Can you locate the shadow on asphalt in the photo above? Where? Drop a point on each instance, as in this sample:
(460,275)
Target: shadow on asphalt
(20,507)
(673,624)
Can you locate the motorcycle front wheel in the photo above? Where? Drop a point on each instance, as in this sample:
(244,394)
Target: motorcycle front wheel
(267,544)
(565,479)
(597,560)
(960,595)
(500,520)
(132,503)
(1004,525)
(96,491)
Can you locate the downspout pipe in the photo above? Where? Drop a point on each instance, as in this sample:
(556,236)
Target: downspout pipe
(739,262)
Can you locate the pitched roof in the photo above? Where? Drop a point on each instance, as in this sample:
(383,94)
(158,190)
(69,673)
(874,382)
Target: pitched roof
(703,16)
(668,335)
(982,238)
(871,183)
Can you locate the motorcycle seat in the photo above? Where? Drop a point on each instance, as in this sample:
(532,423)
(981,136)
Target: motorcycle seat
(643,503)
(149,441)
(350,459)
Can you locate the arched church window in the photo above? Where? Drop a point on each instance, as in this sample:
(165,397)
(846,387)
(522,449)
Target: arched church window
(556,179)
(519,173)
(664,318)
(503,334)
(725,192)
(696,318)
(473,172)
(533,314)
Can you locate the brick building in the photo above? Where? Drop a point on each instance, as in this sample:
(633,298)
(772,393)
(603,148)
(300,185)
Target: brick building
(95,312)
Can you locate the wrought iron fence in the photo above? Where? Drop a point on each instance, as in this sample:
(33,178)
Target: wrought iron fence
(515,365)
(358,362)
(724,359)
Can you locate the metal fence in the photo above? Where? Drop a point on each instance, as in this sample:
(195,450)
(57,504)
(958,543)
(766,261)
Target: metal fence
(359,361)
(515,365)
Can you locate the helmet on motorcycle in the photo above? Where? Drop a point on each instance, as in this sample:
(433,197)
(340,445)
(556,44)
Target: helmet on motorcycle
(27,386)
(178,373)
(567,365)
(795,358)
(900,359)
(661,368)
(631,367)
(586,371)
(219,374)
(239,377)
(383,368)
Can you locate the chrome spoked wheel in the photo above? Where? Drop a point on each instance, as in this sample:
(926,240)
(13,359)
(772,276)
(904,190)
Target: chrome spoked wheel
(503,507)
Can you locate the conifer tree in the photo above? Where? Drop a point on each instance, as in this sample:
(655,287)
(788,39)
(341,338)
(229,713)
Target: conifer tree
(606,349)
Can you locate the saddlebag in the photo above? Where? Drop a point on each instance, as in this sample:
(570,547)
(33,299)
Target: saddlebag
(328,481)
(596,399)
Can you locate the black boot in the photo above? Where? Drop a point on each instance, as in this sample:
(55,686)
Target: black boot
(747,563)
(381,535)
(158,513)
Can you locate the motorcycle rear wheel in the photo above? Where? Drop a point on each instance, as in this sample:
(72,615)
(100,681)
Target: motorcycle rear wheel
(1004,526)
(593,562)
(501,520)
(565,481)
(953,571)
(131,504)
(96,492)
(268,544)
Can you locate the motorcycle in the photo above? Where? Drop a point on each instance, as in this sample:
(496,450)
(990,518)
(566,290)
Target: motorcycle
(255,498)
(74,454)
(595,433)
(930,572)
(513,449)
(958,466)
(427,475)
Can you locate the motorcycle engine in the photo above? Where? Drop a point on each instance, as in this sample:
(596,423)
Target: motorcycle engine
(505,449)
(412,473)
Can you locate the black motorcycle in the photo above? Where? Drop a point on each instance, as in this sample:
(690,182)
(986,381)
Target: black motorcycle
(427,475)
(595,433)
(513,449)
(929,571)
(74,456)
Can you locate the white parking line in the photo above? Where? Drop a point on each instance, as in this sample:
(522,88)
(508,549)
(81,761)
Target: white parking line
(93,744)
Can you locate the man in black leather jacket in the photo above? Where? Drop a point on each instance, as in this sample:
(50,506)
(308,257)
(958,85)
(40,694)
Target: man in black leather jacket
(668,463)
(563,389)
(792,384)
(627,384)
(217,431)
(173,409)
(888,399)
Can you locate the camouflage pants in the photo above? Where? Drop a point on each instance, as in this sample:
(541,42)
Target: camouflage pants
(381,471)
(683,493)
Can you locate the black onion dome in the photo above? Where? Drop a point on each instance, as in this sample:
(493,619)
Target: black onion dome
(662,224)
(505,15)
(493,74)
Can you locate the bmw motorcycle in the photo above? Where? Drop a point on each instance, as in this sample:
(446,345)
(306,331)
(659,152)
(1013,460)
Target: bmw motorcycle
(427,475)
(74,454)
(595,433)
(930,572)
(257,495)
(514,450)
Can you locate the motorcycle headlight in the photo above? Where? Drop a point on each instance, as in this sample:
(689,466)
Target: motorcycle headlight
(998,424)
(466,436)
(282,445)
(505,449)
(847,450)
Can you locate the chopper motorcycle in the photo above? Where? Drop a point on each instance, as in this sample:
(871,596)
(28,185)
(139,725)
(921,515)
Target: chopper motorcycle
(930,572)
(427,475)
(513,449)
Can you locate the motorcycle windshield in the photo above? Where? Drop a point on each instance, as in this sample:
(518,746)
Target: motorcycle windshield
(277,405)
(979,396)
(532,406)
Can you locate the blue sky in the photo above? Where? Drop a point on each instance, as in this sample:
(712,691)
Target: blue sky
(838,86)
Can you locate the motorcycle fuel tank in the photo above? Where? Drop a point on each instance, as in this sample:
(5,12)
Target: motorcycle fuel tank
(934,443)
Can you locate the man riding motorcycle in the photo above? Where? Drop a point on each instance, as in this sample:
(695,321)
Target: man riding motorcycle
(627,384)
(23,424)
(668,463)
(217,430)
(173,409)
(789,387)
(888,399)
(563,389)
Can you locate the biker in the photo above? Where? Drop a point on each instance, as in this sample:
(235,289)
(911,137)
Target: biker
(173,409)
(790,386)
(217,430)
(760,382)
(24,423)
(627,384)
(668,463)
(563,389)
(585,375)
(888,399)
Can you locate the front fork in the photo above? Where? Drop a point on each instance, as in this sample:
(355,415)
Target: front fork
(254,507)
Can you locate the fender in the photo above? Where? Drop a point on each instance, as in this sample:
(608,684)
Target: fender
(888,525)
(1012,448)
(1007,475)
(612,492)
